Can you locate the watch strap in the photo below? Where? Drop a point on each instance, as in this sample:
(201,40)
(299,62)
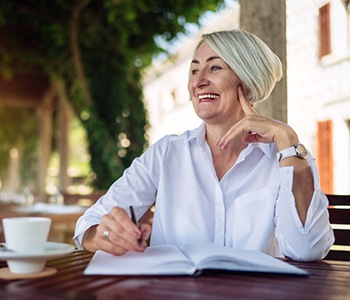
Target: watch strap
(288,152)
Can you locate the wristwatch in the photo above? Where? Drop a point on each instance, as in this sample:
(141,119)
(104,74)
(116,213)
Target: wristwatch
(297,150)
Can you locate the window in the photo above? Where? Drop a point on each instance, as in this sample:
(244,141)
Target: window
(324,23)
(325,155)
(334,30)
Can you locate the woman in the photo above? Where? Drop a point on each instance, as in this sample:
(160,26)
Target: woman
(239,180)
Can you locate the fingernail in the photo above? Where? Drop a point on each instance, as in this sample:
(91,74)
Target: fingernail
(136,234)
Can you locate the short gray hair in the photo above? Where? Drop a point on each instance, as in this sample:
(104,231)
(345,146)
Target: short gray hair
(258,67)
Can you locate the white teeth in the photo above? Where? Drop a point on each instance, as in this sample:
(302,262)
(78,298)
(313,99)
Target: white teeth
(208,96)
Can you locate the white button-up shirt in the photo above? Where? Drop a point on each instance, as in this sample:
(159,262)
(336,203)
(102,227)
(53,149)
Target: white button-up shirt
(251,207)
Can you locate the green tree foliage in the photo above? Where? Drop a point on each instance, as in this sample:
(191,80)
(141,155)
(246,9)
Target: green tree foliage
(95,50)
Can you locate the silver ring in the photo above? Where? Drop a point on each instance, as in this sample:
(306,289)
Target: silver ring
(105,234)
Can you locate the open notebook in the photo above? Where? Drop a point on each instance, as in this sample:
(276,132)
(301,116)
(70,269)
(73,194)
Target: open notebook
(192,258)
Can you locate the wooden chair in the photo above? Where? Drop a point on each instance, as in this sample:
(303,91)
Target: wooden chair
(82,199)
(339,216)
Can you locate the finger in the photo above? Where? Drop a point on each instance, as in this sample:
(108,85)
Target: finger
(116,243)
(123,232)
(121,222)
(119,236)
(143,241)
(246,106)
(225,140)
(254,138)
(104,242)
(146,231)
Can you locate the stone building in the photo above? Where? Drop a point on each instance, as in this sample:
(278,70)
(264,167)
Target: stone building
(318,72)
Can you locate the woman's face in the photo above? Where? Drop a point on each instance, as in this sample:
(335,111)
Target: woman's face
(213,87)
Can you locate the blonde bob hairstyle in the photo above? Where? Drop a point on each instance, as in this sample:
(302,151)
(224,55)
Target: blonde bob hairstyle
(250,58)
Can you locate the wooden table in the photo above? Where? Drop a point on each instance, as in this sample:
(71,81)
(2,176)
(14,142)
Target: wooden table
(327,280)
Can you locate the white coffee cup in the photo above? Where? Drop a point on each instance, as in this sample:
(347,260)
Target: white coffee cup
(26,236)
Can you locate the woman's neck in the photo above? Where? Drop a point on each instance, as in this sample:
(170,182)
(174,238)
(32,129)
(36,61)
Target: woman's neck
(223,160)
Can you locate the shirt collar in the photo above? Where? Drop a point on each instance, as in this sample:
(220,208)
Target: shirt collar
(198,134)
(266,148)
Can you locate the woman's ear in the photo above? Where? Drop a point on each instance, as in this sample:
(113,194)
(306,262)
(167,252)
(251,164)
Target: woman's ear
(244,89)
(246,93)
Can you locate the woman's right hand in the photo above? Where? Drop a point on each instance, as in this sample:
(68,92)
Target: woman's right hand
(117,234)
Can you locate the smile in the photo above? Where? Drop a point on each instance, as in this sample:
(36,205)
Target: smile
(207,97)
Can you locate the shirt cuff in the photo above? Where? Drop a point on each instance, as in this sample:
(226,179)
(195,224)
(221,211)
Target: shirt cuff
(78,241)
(80,229)
(286,176)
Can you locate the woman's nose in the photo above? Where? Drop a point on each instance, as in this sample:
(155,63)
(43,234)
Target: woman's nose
(200,80)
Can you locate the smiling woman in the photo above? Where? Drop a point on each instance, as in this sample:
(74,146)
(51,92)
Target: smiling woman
(213,82)
(221,182)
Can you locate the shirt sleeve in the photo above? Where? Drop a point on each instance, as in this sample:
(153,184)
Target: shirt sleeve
(137,187)
(313,240)
(91,217)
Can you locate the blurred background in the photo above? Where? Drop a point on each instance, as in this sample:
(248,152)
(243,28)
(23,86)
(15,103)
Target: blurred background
(87,86)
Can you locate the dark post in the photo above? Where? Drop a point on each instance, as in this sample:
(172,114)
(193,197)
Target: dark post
(267,19)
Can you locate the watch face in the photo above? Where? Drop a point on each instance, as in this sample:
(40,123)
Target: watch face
(301,150)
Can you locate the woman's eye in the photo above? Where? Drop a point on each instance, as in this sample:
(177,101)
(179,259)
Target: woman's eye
(194,71)
(215,68)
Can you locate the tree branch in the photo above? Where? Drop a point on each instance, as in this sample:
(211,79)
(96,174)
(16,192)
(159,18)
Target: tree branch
(78,64)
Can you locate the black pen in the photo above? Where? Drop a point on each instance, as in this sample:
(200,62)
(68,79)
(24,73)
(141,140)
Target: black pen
(132,213)
(133,218)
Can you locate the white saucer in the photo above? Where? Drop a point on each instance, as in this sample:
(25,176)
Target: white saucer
(52,250)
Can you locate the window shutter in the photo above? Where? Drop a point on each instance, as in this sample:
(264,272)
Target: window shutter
(324,23)
(325,155)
